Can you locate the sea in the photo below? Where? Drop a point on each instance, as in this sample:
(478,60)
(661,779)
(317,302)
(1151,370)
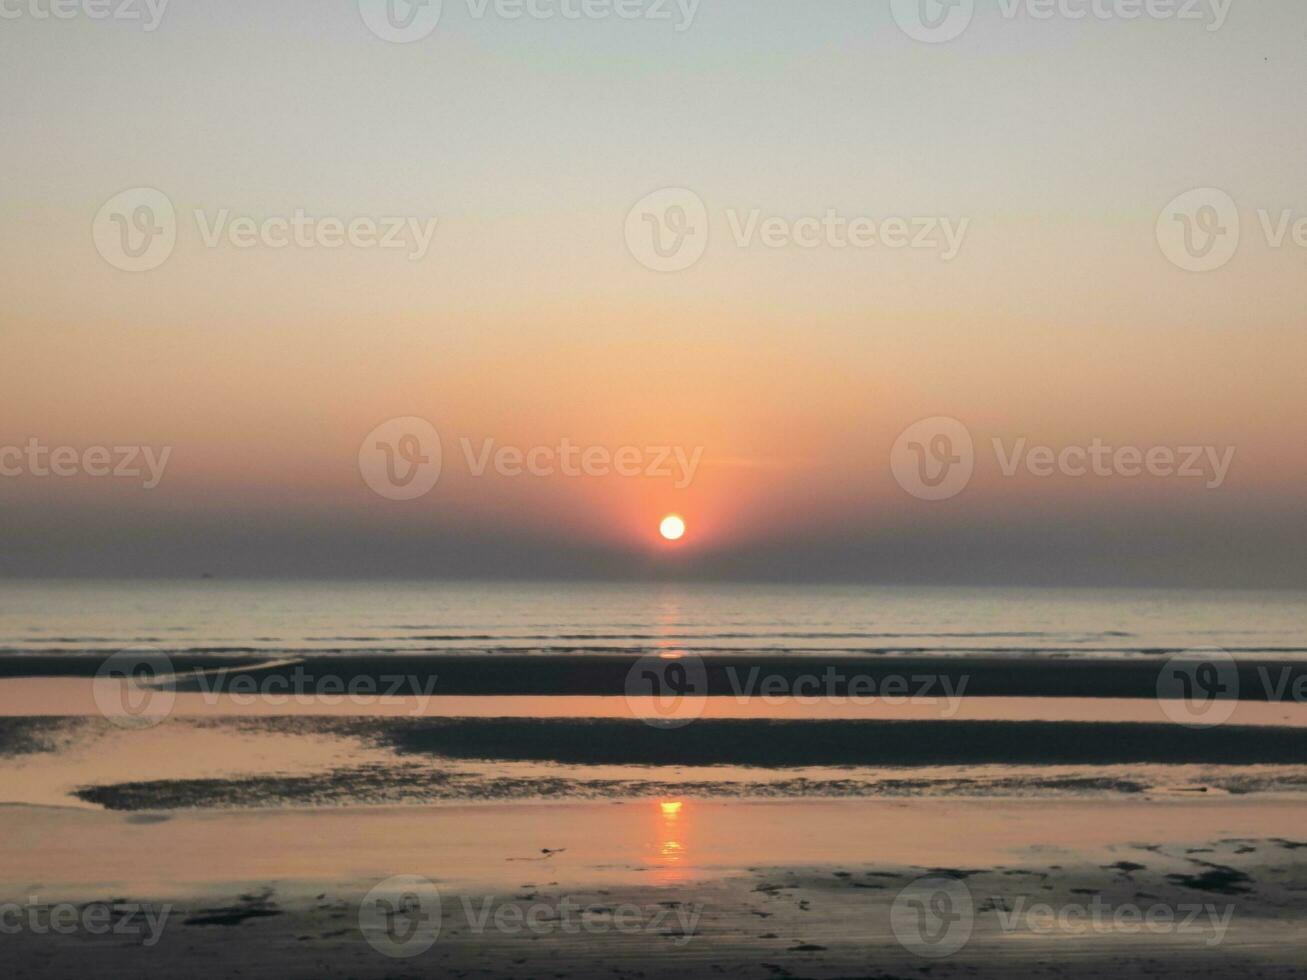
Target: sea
(290,618)
(536,726)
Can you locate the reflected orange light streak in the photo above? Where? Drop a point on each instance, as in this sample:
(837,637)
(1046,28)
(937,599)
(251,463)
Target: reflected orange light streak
(671,842)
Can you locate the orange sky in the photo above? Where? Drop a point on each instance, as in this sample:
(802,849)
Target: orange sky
(529,321)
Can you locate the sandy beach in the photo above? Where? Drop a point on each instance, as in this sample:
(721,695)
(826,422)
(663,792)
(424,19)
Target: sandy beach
(673,888)
(954,813)
(264,845)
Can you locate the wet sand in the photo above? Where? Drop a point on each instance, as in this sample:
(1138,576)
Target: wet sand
(564,838)
(201,762)
(750,889)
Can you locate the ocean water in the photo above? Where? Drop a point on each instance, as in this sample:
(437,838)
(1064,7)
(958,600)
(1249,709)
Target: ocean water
(477,618)
(56,749)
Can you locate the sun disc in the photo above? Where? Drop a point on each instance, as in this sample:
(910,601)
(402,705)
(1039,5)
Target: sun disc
(672,528)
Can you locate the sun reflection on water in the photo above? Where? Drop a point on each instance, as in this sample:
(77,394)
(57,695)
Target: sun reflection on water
(670,842)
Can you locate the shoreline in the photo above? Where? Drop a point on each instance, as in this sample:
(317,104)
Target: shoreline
(589,843)
(794,888)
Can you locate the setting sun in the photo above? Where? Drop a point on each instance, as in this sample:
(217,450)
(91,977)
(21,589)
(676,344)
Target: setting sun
(672,528)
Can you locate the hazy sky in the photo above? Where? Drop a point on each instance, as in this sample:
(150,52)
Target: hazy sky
(1053,145)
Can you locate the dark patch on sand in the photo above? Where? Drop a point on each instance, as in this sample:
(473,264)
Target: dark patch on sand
(1125,867)
(1217,879)
(252,906)
(25,736)
(420,783)
(774,744)
(148,818)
